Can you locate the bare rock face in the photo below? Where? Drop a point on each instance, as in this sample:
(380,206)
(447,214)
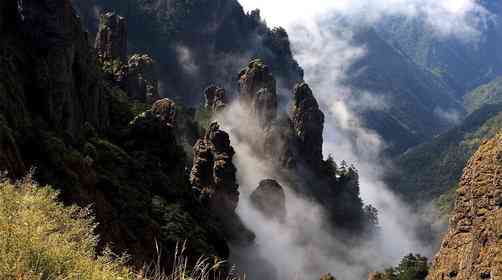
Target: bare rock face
(213,171)
(10,158)
(216,99)
(269,198)
(280,142)
(213,176)
(472,247)
(137,76)
(142,82)
(111,40)
(257,90)
(308,121)
(64,67)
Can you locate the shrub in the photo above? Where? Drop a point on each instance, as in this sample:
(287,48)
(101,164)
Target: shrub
(42,239)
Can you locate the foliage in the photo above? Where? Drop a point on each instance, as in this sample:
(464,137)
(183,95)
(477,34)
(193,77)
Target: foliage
(203,118)
(411,267)
(42,239)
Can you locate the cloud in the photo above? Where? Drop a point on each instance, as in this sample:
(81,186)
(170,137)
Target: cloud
(445,17)
(324,48)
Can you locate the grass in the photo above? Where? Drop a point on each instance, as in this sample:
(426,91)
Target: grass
(41,239)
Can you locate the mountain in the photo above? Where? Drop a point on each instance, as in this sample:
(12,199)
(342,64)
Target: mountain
(416,102)
(471,247)
(198,42)
(431,169)
(90,122)
(464,60)
(83,135)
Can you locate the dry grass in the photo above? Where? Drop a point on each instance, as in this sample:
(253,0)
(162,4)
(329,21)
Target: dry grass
(40,239)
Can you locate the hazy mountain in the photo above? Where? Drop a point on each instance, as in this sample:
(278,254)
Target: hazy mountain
(432,169)
(416,104)
(463,60)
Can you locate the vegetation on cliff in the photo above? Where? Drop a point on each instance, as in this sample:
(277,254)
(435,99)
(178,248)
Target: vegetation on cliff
(411,267)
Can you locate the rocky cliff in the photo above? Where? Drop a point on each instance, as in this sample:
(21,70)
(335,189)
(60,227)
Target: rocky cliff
(198,42)
(62,113)
(472,246)
(292,143)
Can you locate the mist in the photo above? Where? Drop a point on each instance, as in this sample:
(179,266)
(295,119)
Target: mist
(322,44)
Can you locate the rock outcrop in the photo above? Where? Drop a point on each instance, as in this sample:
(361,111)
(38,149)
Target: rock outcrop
(213,172)
(257,91)
(269,198)
(142,81)
(216,99)
(153,130)
(472,247)
(111,40)
(213,178)
(138,75)
(308,121)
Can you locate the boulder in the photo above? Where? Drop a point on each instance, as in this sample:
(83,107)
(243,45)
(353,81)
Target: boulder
(269,198)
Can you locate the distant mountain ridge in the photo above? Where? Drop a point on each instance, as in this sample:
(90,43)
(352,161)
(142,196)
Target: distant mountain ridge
(416,100)
(464,61)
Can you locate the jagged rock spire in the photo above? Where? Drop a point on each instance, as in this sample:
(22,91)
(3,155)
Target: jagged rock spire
(308,122)
(213,171)
(257,90)
(111,40)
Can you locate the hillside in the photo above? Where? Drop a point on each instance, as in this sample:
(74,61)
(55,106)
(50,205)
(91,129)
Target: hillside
(90,122)
(464,61)
(471,247)
(490,93)
(416,101)
(433,168)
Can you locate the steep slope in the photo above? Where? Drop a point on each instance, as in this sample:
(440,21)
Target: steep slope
(472,247)
(465,60)
(432,169)
(415,101)
(490,93)
(199,42)
(61,116)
